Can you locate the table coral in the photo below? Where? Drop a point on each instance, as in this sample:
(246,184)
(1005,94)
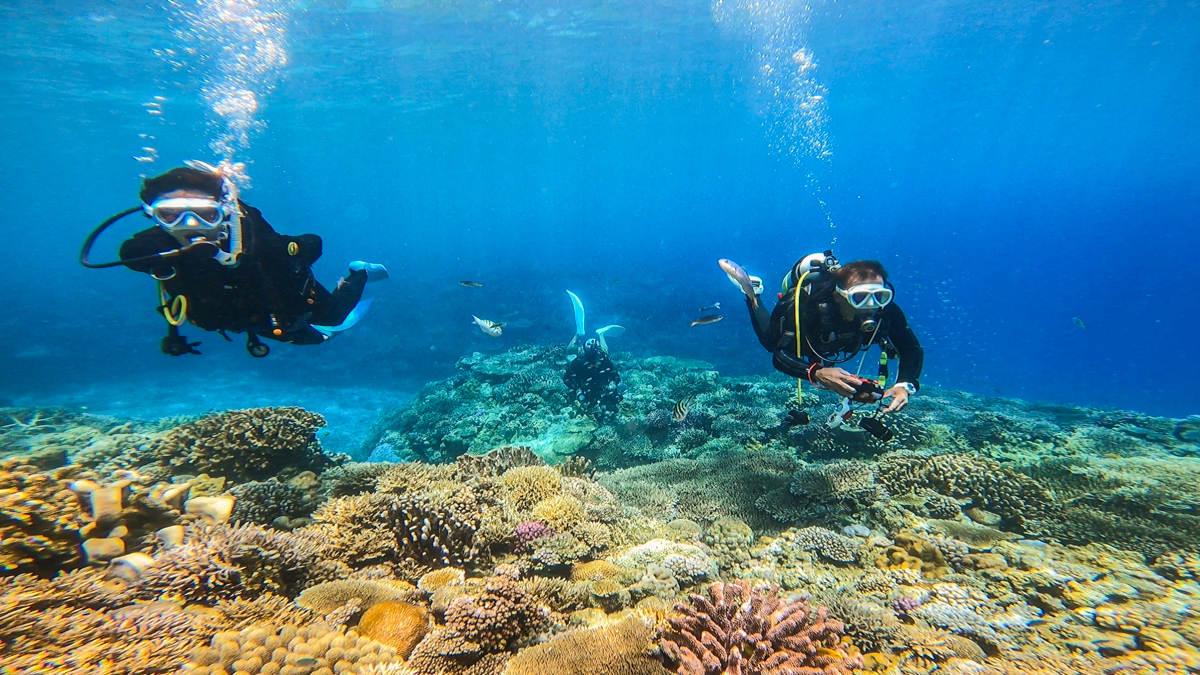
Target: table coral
(752,631)
(328,596)
(622,648)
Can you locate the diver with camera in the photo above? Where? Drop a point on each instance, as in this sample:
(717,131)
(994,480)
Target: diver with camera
(827,314)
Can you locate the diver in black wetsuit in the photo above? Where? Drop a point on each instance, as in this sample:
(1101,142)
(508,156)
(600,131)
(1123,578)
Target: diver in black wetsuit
(593,379)
(844,309)
(222,267)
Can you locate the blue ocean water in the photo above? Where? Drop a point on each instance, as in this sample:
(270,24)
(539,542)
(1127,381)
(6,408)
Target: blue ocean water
(1016,166)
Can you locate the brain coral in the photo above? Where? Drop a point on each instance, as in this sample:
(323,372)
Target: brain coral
(751,631)
(399,625)
(245,445)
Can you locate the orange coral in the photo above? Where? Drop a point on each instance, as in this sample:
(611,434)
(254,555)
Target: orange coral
(399,625)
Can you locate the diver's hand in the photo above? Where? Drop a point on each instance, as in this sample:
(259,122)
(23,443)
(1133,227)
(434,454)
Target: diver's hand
(836,380)
(899,396)
(177,345)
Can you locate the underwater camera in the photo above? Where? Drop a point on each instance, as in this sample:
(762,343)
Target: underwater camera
(796,418)
(873,426)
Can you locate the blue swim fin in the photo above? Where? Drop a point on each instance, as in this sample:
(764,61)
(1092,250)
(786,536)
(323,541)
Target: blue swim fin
(352,318)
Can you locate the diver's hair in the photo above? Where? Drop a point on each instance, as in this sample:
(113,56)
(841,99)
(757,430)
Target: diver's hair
(183,178)
(858,272)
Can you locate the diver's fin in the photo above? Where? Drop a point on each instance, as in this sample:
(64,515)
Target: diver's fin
(613,330)
(375,271)
(579,315)
(352,318)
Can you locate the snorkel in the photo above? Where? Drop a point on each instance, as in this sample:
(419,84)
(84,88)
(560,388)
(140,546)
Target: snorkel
(232,230)
(229,198)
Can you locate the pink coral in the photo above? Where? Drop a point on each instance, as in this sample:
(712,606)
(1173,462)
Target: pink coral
(744,631)
(529,531)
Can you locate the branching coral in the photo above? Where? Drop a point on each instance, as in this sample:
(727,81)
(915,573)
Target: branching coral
(220,562)
(989,484)
(740,630)
(244,445)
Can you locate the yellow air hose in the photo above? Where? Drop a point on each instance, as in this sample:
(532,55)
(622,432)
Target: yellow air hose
(174,309)
(799,351)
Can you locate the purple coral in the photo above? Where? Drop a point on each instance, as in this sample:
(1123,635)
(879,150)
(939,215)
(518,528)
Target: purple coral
(905,604)
(752,632)
(529,531)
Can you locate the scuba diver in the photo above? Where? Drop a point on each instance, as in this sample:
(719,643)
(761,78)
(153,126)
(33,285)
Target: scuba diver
(222,267)
(827,314)
(594,380)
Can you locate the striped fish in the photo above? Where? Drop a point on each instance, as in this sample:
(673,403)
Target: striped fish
(490,328)
(682,407)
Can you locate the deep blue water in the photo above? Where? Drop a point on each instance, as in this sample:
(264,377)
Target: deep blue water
(1014,165)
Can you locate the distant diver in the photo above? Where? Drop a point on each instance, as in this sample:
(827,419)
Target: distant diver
(826,315)
(602,334)
(220,266)
(593,380)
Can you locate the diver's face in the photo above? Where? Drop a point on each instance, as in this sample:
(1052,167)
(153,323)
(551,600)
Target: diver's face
(847,311)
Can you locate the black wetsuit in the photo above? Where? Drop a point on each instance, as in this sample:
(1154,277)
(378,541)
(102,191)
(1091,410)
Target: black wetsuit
(594,382)
(270,287)
(827,338)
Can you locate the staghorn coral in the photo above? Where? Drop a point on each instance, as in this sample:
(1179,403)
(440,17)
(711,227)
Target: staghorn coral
(431,536)
(40,519)
(495,462)
(272,649)
(244,445)
(560,512)
(268,502)
(72,624)
(752,631)
(222,562)
(529,485)
(625,647)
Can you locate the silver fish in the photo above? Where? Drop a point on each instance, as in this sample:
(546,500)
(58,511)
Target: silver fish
(715,305)
(490,328)
(739,275)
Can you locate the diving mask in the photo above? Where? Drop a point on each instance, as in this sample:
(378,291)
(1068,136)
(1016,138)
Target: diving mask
(866,296)
(187,213)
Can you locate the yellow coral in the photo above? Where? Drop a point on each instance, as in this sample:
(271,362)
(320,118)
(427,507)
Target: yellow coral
(622,648)
(528,485)
(594,570)
(560,512)
(273,649)
(438,579)
(326,597)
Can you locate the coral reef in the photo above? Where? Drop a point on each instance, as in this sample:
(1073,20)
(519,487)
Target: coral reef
(270,649)
(625,647)
(737,629)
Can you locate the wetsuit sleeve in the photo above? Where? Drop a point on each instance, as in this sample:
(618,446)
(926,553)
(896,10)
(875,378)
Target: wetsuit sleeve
(146,243)
(912,355)
(570,377)
(761,320)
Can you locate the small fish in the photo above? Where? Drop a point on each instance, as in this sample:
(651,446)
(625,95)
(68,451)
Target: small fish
(715,305)
(1079,322)
(682,407)
(610,282)
(470,284)
(490,328)
(739,275)
(705,320)
(307,662)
